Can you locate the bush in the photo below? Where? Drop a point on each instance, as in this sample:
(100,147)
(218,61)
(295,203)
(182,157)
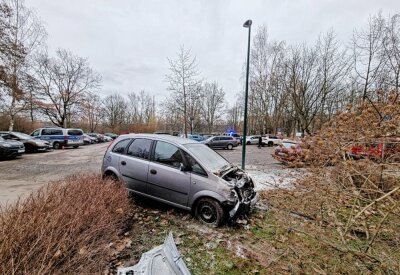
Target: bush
(65,227)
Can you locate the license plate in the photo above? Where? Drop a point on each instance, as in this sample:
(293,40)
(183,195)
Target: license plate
(21,150)
(73,141)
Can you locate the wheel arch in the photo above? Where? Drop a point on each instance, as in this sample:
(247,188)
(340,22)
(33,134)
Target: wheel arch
(110,171)
(206,194)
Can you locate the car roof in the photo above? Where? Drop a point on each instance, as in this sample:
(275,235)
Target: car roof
(174,139)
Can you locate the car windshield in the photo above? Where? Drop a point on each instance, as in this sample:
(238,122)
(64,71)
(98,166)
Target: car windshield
(22,135)
(289,144)
(209,158)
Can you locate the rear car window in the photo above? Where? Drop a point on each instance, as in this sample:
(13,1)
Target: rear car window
(119,148)
(168,154)
(140,148)
(74,132)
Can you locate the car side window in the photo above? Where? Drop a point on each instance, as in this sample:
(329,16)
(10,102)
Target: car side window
(35,133)
(216,138)
(194,165)
(6,136)
(57,132)
(168,154)
(140,148)
(119,148)
(46,132)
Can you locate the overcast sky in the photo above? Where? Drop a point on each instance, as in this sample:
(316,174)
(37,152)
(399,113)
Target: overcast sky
(128,42)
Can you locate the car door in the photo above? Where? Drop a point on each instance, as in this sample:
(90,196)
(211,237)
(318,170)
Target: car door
(165,180)
(216,142)
(134,164)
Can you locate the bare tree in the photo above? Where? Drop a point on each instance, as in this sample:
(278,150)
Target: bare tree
(235,114)
(170,116)
(92,110)
(115,107)
(367,49)
(212,104)
(391,46)
(64,83)
(141,108)
(27,34)
(183,82)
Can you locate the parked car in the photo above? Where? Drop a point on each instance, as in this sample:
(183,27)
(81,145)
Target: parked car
(287,151)
(251,140)
(236,136)
(31,144)
(207,136)
(60,137)
(271,140)
(11,148)
(107,138)
(195,137)
(88,139)
(181,172)
(388,149)
(99,137)
(224,142)
(111,135)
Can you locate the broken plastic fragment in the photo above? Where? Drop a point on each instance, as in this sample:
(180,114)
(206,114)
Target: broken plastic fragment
(164,259)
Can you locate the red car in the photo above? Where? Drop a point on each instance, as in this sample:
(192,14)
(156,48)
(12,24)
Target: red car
(382,150)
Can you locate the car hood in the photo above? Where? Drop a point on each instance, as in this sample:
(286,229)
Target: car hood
(11,142)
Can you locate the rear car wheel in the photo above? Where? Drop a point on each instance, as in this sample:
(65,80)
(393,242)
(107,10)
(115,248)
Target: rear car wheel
(75,147)
(230,146)
(209,212)
(57,145)
(248,143)
(270,144)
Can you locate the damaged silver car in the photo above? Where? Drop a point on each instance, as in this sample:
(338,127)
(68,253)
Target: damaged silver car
(182,173)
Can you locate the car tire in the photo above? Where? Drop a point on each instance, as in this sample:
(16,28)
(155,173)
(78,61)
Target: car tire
(248,143)
(30,148)
(209,212)
(270,144)
(229,147)
(57,145)
(111,176)
(75,147)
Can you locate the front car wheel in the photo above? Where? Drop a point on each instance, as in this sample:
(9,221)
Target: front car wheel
(209,212)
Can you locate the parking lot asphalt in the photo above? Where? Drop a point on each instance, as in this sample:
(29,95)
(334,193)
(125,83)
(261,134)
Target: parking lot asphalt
(19,177)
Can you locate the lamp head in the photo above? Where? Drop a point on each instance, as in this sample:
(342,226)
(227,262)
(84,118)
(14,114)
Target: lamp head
(247,24)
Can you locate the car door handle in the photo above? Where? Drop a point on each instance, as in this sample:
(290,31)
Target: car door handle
(123,162)
(153,171)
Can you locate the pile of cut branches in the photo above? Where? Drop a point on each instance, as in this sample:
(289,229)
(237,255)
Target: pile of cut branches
(354,205)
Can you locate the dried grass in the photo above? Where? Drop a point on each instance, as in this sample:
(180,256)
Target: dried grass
(65,227)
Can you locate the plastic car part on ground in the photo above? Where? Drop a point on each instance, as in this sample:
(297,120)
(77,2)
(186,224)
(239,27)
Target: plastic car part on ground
(164,259)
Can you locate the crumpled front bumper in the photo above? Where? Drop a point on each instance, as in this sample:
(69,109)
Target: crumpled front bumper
(243,208)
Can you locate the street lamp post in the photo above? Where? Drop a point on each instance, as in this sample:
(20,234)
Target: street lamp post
(246,24)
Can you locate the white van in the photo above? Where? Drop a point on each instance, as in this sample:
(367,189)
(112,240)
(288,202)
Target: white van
(60,137)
